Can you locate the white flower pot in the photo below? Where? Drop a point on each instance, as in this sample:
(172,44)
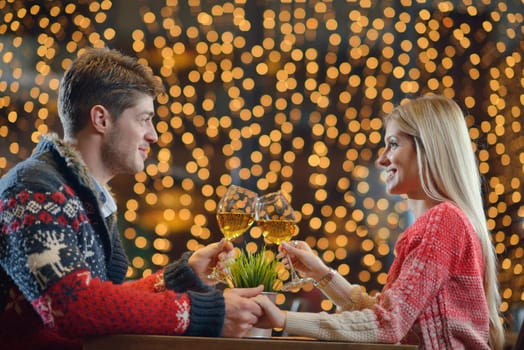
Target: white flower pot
(262,332)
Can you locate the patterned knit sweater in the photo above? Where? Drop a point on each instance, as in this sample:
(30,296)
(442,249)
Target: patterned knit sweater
(434,295)
(62,265)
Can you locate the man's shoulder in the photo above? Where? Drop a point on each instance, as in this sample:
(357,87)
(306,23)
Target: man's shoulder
(31,172)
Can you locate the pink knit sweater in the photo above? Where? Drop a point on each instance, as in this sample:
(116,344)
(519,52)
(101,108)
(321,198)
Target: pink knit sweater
(434,295)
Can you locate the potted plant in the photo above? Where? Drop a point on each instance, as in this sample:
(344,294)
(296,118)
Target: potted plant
(251,270)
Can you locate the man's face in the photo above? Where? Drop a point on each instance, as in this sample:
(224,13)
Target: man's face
(126,145)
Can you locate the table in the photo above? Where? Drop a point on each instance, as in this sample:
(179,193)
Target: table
(161,342)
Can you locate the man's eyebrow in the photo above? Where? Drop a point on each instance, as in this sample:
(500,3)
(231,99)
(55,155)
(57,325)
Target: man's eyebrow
(148,113)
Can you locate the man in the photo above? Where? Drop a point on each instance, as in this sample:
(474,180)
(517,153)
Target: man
(62,262)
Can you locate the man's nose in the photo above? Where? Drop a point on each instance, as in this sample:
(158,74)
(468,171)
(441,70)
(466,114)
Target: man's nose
(152,135)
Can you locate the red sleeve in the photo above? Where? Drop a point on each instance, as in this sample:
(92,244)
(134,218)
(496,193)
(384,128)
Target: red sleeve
(78,305)
(151,283)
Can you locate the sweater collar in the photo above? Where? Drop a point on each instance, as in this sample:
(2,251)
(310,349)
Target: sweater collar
(73,159)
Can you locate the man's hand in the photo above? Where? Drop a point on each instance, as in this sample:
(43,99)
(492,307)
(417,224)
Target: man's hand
(242,312)
(206,258)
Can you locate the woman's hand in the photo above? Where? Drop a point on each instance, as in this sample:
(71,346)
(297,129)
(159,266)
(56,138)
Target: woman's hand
(203,260)
(273,317)
(306,262)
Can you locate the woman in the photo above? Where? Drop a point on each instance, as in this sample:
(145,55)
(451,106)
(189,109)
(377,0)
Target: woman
(441,291)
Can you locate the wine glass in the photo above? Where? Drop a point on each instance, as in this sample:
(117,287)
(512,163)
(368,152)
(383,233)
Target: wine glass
(236,211)
(277,219)
(235,214)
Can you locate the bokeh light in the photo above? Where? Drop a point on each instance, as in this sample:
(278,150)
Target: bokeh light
(283,94)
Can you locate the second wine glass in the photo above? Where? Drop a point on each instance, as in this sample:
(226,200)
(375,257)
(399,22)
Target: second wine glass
(277,219)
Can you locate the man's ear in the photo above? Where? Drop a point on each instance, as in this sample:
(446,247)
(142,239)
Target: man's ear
(100,118)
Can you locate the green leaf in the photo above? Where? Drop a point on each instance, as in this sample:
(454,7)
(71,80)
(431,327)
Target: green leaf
(253,269)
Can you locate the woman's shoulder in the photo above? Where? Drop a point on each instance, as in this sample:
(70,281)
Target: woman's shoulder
(443,218)
(445,210)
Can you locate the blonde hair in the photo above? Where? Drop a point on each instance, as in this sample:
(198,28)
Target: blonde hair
(449,171)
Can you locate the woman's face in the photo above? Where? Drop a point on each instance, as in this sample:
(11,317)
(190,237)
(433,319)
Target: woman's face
(399,159)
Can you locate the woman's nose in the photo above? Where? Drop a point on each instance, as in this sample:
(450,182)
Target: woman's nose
(382,160)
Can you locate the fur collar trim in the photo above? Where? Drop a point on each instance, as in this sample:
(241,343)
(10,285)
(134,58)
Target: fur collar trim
(73,160)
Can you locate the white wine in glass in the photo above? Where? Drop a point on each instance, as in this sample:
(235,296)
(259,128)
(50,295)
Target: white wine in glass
(277,231)
(234,225)
(235,215)
(277,219)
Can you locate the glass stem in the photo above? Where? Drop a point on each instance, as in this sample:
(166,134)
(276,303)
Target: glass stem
(294,275)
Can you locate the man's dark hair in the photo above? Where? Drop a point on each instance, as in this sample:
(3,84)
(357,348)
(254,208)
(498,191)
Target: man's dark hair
(101,76)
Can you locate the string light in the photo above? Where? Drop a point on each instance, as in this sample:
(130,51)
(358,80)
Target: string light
(283,94)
